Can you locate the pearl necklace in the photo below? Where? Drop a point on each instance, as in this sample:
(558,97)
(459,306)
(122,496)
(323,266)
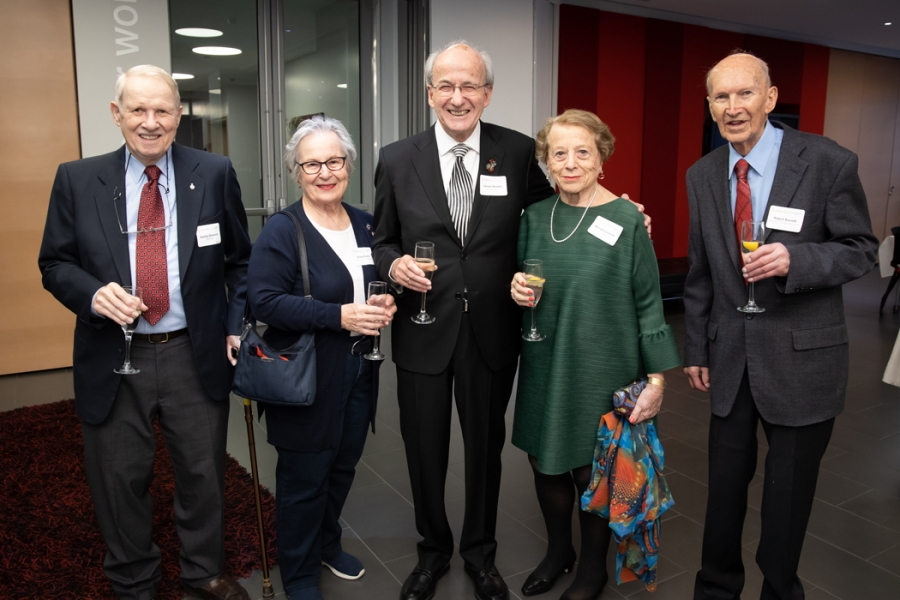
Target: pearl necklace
(552,212)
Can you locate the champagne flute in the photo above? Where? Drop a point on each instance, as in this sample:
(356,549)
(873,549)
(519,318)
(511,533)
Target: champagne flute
(128,328)
(752,235)
(534,280)
(377,290)
(425,261)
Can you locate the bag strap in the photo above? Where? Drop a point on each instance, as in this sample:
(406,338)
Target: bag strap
(301,245)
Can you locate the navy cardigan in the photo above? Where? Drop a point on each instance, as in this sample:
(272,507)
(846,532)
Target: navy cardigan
(275,293)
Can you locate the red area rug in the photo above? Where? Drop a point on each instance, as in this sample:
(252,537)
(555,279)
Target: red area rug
(50,545)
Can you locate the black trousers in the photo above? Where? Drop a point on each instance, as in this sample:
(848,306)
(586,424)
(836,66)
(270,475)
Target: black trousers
(119,454)
(425,413)
(792,468)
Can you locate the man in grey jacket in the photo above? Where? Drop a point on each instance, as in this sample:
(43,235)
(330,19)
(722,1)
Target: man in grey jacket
(786,367)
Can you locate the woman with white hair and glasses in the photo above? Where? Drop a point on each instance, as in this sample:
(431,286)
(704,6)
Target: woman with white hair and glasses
(319,445)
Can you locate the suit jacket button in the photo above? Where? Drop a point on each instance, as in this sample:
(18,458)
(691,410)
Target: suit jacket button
(465,256)
(748,317)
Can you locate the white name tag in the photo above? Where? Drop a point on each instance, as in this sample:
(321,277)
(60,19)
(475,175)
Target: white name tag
(785,219)
(208,235)
(493,185)
(363,256)
(606,230)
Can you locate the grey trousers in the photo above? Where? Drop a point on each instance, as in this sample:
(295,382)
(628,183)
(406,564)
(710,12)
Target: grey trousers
(119,454)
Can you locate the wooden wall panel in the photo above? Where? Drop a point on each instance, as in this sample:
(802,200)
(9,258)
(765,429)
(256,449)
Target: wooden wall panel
(40,130)
(843,109)
(876,134)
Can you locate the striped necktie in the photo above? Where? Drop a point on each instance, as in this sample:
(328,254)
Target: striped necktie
(460,197)
(743,209)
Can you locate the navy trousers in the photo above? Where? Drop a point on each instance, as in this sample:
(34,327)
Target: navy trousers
(311,487)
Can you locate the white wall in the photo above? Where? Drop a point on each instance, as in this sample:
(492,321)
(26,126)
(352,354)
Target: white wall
(505,29)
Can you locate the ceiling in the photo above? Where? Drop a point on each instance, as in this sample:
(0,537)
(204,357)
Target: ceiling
(857,25)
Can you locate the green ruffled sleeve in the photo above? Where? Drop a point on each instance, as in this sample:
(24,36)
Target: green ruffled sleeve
(659,351)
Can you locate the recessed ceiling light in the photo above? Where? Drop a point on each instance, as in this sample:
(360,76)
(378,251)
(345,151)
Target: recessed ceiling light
(888,23)
(343,86)
(182,76)
(215,91)
(200,32)
(216,51)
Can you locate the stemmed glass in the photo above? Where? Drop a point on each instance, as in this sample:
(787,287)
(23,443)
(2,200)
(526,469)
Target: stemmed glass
(752,235)
(128,328)
(425,261)
(534,280)
(377,291)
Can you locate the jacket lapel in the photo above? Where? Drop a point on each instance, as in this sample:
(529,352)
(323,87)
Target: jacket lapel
(490,150)
(110,200)
(188,200)
(721,194)
(428,167)
(790,170)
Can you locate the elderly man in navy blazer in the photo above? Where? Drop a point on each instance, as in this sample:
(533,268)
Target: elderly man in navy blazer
(787,367)
(170,220)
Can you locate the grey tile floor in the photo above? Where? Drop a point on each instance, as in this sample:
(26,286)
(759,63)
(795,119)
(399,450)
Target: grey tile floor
(852,549)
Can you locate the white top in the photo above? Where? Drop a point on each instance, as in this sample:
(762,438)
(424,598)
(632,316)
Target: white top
(343,243)
(445,145)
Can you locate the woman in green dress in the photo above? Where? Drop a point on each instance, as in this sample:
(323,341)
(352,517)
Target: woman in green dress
(602,315)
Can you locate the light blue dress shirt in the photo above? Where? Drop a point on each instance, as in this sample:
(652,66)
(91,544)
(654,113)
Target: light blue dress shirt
(763,160)
(135,178)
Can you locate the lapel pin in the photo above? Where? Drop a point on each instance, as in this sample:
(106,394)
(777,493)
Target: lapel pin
(491,165)
(192,186)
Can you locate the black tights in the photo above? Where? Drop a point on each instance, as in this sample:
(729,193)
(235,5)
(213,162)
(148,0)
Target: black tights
(556,495)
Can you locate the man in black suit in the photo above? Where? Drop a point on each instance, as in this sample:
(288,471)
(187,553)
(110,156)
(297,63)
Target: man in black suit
(170,220)
(469,207)
(786,367)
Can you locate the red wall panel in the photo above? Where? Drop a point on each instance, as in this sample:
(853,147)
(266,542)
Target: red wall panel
(659,177)
(814,89)
(646,79)
(620,97)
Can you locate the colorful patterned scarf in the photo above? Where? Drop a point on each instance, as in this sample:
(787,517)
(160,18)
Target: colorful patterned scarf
(629,489)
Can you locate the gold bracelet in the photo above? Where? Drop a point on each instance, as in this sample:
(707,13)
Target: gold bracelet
(657,381)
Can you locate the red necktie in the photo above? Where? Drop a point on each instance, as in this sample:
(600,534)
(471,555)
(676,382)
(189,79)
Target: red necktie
(150,254)
(743,210)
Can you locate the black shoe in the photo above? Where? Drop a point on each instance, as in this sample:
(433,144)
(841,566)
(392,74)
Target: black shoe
(421,583)
(534,586)
(488,584)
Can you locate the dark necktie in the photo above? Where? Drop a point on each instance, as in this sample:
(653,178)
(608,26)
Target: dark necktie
(460,199)
(743,209)
(150,252)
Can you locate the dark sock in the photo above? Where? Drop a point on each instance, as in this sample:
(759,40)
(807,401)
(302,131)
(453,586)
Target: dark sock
(556,495)
(591,577)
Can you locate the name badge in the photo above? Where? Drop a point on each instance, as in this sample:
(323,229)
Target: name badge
(493,185)
(208,235)
(785,219)
(363,256)
(606,230)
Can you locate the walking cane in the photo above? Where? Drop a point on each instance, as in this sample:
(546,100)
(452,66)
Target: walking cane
(268,592)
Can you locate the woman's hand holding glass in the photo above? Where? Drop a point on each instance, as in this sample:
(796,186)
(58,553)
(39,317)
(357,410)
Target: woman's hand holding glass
(649,402)
(368,319)
(521,294)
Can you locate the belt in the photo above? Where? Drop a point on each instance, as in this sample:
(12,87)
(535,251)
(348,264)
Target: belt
(464,296)
(160,338)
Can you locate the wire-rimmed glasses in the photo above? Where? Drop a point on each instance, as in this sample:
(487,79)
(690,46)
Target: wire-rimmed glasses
(117,195)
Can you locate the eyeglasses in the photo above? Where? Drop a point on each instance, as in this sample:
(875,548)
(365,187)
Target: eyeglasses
(468,90)
(117,195)
(311,167)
